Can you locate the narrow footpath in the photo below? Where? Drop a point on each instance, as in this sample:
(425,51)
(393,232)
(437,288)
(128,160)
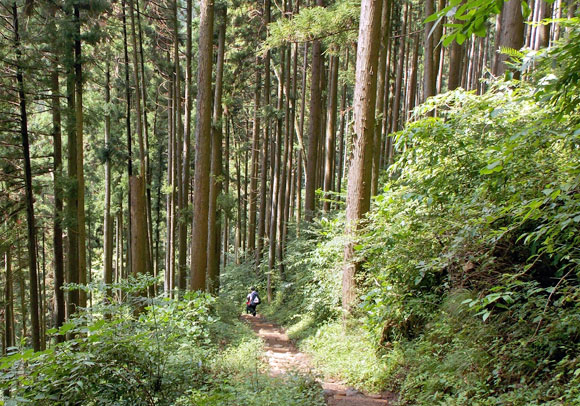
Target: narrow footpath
(284,357)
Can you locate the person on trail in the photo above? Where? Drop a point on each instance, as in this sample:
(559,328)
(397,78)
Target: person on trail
(252,300)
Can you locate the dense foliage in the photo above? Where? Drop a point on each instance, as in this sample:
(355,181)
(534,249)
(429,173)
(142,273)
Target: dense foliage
(191,351)
(470,288)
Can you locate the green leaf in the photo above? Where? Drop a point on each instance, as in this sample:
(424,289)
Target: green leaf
(495,166)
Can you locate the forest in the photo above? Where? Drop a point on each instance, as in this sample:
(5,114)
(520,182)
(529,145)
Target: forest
(399,180)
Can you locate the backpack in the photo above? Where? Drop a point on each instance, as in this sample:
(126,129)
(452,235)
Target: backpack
(256,299)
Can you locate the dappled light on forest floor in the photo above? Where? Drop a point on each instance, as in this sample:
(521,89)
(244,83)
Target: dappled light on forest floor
(283,358)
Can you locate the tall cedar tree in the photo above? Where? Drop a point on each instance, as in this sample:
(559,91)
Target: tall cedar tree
(359,175)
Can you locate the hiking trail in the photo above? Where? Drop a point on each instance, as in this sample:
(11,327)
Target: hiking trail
(282,357)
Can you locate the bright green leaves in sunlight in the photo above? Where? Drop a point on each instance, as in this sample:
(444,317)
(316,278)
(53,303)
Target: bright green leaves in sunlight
(470,18)
(336,24)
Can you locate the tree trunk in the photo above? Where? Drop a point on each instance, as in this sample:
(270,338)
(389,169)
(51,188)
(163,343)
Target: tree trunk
(170,199)
(82,271)
(510,33)
(9,332)
(108,221)
(330,133)
(455,66)
(359,176)
(399,75)
(255,164)
(214,222)
(314,129)
(226,191)
(33,276)
(276,182)
(543,37)
(429,68)
(127,121)
(183,157)
(264,149)
(139,229)
(343,115)
(381,84)
(202,150)
(413,78)
(59,302)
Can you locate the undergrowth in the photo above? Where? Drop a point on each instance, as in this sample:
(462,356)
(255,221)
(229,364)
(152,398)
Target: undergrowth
(191,351)
(470,288)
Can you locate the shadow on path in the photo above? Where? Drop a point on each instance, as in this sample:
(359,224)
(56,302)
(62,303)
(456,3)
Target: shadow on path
(284,357)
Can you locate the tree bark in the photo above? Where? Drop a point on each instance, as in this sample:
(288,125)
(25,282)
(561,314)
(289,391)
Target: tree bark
(510,33)
(59,301)
(429,68)
(139,229)
(214,222)
(455,66)
(413,77)
(127,121)
(255,165)
(202,151)
(400,73)
(33,276)
(330,133)
(343,115)
(314,129)
(359,176)
(9,332)
(380,101)
(264,149)
(108,221)
(80,158)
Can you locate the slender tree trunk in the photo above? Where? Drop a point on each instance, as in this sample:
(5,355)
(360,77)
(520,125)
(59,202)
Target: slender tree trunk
(381,84)
(438,50)
(330,133)
(429,67)
(59,303)
(238,236)
(149,175)
(413,77)
(33,276)
(139,231)
(214,222)
(315,127)
(202,150)
(139,120)
(285,173)
(226,191)
(399,76)
(558,15)
(455,65)
(180,198)
(302,151)
(343,115)
(108,221)
(359,176)
(510,33)
(264,149)
(9,332)
(127,122)
(82,268)
(290,179)
(170,199)
(255,164)
(276,182)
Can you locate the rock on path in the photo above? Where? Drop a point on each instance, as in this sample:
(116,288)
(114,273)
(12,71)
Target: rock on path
(283,357)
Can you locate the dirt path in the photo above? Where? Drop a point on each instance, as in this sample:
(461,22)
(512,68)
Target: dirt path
(283,357)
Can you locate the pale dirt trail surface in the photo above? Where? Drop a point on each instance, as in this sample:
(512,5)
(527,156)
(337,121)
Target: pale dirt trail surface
(283,357)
